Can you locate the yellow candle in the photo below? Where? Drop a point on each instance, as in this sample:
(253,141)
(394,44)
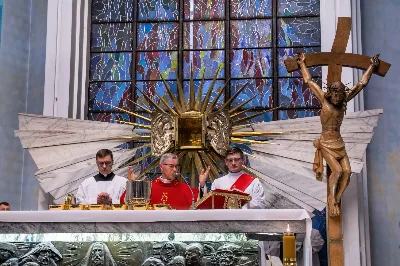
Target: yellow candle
(289,248)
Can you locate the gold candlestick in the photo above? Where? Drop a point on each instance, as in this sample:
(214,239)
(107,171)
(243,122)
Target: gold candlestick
(289,248)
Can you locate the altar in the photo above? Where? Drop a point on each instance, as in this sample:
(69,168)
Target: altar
(155,226)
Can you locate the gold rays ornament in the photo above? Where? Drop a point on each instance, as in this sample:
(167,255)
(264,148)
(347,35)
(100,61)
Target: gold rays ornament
(199,132)
(194,129)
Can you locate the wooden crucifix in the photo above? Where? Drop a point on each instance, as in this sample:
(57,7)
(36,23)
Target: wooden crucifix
(330,146)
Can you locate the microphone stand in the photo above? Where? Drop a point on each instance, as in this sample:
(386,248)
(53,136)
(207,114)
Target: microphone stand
(191,191)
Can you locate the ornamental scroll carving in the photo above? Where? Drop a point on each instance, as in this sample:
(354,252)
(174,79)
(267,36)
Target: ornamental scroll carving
(219,132)
(162,133)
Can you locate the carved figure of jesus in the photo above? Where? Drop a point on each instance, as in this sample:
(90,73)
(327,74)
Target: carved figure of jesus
(330,146)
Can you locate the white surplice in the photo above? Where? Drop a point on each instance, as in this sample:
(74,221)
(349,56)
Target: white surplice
(255,189)
(89,189)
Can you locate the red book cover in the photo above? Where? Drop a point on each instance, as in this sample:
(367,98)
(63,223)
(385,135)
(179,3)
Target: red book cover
(220,199)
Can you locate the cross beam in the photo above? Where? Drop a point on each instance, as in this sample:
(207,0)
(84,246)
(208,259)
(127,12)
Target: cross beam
(344,59)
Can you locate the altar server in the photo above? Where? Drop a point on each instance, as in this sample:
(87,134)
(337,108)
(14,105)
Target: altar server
(105,187)
(237,179)
(167,189)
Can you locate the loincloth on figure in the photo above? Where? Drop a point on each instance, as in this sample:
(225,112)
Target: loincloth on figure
(336,148)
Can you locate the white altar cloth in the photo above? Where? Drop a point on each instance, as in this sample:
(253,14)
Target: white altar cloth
(164,215)
(153,216)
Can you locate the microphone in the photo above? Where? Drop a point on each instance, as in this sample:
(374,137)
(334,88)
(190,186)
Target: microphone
(191,191)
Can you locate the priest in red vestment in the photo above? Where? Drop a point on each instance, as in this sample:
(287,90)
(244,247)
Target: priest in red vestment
(167,189)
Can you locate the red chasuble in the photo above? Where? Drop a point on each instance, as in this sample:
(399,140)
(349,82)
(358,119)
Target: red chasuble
(176,194)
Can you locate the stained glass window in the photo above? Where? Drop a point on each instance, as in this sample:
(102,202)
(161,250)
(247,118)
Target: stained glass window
(136,44)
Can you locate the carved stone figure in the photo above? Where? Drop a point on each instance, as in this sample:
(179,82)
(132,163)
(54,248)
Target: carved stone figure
(167,252)
(194,254)
(231,255)
(13,262)
(7,251)
(42,254)
(214,259)
(177,261)
(171,249)
(153,262)
(330,146)
(98,255)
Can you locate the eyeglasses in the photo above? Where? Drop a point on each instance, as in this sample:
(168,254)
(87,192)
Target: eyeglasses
(234,160)
(106,163)
(172,166)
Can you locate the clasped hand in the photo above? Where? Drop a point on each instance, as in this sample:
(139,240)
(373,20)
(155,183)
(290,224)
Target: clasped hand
(104,198)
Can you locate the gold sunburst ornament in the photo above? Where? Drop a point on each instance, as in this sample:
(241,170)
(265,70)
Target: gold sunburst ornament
(195,130)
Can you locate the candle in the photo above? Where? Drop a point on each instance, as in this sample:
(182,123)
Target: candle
(289,248)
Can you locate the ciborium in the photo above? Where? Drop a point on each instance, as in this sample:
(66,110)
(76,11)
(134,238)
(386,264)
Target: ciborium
(138,192)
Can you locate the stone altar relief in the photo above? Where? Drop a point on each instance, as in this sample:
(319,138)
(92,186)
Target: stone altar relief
(130,253)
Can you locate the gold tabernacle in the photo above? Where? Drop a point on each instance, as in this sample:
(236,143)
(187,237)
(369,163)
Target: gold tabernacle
(190,131)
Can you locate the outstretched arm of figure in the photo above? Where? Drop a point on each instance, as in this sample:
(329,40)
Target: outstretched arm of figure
(314,87)
(364,79)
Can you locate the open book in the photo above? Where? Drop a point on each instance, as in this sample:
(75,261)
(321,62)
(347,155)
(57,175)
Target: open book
(223,199)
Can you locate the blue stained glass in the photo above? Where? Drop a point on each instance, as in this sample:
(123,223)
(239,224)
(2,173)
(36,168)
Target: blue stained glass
(158,36)
(111,37)
(260,87)
(104,94)
(142,121)
(205,63)
(108,117)
(204,35)
(294,93)
(141,152)
(266,117)
(251,8)
(285,53)
(150,88)
(296,113)
(150,64)
(299,31)
(251,33)
(204,9)
(219,84)
(249,63)
(112,10)
(110,66)
(158,10)
(298,7)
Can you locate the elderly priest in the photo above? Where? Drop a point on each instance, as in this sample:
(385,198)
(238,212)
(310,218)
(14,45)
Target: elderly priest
(167,189)
(105,187)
